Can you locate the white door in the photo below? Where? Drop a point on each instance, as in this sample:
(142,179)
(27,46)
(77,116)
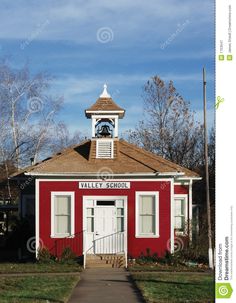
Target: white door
(105,227)
(104,223)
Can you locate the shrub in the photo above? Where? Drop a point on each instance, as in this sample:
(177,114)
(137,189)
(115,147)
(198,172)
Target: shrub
(148,258)
(44,256)
(67,256)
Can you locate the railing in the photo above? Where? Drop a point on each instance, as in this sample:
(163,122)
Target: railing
(74,242)
(110,244)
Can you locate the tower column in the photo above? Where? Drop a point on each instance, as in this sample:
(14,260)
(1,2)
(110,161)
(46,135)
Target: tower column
(116,127)
(93,127)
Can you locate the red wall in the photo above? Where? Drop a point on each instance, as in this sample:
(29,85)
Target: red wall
(136,246)
(181,189)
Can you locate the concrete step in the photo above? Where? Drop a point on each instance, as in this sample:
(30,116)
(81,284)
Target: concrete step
(105,260)
(99,265)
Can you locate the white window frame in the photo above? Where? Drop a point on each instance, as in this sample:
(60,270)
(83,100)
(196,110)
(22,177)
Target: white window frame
(185,197)
(137,196)
(72,214)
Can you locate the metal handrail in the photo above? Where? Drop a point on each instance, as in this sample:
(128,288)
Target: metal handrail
(114,248)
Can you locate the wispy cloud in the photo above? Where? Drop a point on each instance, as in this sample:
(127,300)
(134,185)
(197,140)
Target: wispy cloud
(79,20)
(74,87)
(68,47)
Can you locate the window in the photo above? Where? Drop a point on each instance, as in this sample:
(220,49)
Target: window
(120,219)
(105,203)
(147,214)
(180,212)
(62,214)
(90,220)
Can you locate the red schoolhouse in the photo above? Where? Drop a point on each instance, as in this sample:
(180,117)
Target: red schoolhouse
(106,196)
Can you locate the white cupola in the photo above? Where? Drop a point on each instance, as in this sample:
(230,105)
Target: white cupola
(105,114)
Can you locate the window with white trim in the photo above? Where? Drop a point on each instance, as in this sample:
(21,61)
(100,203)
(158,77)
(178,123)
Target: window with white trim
(180,212)
(147,214)
(62,214)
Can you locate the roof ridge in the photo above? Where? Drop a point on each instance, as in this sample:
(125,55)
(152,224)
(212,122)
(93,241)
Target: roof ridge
(151,155)
(156,157)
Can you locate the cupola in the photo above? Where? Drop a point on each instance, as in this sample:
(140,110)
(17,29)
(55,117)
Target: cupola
(105,114)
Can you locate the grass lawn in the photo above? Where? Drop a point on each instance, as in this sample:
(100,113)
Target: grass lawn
(163,267)
(37,267)
(162,287)
(36,288)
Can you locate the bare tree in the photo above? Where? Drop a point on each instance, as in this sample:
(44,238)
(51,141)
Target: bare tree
(168,127)
(27,114)
(64,138)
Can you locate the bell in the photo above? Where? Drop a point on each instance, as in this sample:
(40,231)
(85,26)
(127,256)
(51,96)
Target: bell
(105,131)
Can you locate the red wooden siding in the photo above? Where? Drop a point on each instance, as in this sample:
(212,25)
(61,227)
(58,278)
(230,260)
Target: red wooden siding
(136,246)
(181,189)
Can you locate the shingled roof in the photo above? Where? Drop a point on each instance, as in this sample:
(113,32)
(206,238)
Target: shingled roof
(103,105)
(130,159)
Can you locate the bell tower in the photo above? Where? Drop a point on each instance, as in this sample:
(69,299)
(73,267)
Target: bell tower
(105,115)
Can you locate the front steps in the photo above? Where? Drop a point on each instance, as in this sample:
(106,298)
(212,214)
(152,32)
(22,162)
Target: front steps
(105,261)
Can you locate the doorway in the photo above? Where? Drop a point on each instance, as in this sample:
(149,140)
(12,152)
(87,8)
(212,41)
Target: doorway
(105,224)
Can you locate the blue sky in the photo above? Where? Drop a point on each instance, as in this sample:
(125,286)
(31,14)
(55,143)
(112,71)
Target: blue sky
(84,44)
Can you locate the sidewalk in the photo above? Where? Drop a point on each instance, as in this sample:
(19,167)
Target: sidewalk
(103,285)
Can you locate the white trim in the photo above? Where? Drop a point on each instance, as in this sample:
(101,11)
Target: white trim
(107,180)
(99,148)
(116,127)
(185,197)
(93,127)
(72,214)
(37,243)
(157,214)
(174,174)
(104,111)
(83,174)
(184,183)
(190,209)
(172,221)
(95,198)
(188,178)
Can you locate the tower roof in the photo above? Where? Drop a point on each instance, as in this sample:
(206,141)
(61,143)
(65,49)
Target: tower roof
(105,105)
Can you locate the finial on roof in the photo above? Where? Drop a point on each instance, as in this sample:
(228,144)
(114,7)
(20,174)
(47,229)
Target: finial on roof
(105,93)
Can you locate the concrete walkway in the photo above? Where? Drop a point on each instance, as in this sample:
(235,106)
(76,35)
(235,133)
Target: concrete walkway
(103,285)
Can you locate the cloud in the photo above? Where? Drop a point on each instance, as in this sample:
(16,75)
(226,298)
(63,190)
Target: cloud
(81,88)
(78,20)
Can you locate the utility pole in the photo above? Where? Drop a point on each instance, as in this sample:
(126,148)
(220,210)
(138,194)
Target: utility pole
(210,250)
